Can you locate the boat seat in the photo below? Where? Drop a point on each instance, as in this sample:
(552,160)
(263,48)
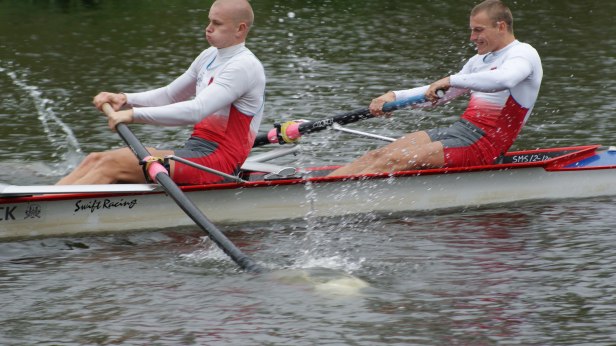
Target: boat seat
(272,171)
(256,164)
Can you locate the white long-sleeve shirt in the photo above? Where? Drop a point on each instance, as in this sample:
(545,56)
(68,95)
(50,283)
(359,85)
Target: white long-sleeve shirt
(228,86)
(504,86)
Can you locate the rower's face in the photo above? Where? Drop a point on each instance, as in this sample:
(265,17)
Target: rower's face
(485,33)
(222,31)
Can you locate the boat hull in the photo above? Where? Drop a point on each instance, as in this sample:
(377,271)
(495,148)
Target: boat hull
(39,216)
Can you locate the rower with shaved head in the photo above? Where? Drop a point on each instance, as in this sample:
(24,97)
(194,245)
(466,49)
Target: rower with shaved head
(221,94)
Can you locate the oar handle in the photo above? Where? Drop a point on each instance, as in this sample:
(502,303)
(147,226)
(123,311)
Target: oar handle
(127,135)
(158,173)
(399,104)
(288,132)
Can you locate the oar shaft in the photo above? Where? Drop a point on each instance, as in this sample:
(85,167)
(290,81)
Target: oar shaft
(200,219)
(314,126)
(131,140)
(342,119)
(187,205)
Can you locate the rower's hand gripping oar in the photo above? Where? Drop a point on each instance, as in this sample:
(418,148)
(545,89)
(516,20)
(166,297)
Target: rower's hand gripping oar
(158,173)
(290,131)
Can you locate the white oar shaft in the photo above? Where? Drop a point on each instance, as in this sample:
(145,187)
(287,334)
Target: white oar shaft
(361,133)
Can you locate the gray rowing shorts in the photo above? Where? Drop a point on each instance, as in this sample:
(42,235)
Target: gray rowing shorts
(460,134)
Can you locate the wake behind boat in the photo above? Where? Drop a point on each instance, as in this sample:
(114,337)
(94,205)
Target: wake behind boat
(279,193)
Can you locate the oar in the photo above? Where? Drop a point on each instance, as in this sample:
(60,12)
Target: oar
(158,173)
(291,131)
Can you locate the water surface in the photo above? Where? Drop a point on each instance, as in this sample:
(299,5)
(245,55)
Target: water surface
(538,273)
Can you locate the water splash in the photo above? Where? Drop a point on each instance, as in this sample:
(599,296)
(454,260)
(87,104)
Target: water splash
(337,262)
(58,133)
(207,253)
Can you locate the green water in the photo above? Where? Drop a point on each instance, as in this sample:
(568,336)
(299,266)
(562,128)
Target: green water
(540,274)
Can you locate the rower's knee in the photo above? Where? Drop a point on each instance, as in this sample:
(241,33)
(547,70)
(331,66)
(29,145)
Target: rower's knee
(92,159)
(102,162)
(376,154)
(378,160)
(397,159)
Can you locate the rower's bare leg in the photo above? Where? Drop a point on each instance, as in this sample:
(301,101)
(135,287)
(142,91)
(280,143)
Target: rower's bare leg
(412,151)
(420,157)
(109,167)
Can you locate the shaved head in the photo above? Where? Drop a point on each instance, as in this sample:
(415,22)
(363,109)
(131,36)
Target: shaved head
(230,22)
(239,10)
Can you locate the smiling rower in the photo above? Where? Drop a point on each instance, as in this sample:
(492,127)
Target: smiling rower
(503,80)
